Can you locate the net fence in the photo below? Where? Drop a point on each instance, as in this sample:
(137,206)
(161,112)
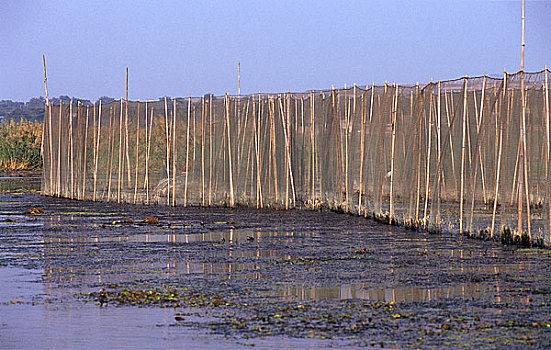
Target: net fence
(455,156)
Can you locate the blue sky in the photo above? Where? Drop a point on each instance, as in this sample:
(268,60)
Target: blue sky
(180,48)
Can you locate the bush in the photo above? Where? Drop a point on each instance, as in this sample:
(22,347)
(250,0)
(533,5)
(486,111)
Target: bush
(20,145)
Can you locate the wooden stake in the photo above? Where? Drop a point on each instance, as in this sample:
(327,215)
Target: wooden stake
(273,145)
(174,154)
(451,141)
(167,132)
(258,157)
(427,169)
(419,151)
(85,154)
(71,149)
(151,118)
(227,112)
(120,155)
(525,157)
(210,152)
(50,135)
(313,144)
(474,179)
(111,148)
(137,152)
(187,150)
(203,111)
(547,125)
(362,150)
(547,240)
(498,170)
(439,156)
(392,149)
(97,153)
(126,139)
(463,157)
(288,153)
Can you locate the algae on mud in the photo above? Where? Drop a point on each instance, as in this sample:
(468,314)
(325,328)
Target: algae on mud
(330,279)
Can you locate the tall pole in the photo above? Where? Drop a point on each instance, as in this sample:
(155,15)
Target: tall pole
(523,42)
(50,155)
(239,77)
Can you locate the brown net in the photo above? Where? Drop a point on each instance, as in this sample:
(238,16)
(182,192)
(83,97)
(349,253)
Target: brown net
(456,156)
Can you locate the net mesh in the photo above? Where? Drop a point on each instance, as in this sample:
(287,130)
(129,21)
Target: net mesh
(455,156)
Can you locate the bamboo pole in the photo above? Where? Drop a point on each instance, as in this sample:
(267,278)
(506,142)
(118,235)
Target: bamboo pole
(413,169)
(548,141)
(151,117)
(97,152)
(312,140)
(362,152)
(439,151)
(210,152)
(70,153)
(203,197)
(335,99)
(111,147)
(174,154)
(120,154)
(50,141)
(419,151)
(547,126)
(427,169)
(243,136)
(478,132)
(525,158)
(167,133)
(258,154)
(227,112)
(451,141)
(392,149)
(474,180)
(94,140)
(146,160)
(346,155)
(58,185)
(137,152)
(288,153)
(85,154)
(523,44)
(498,170)
(78,156)
(463,157)
(284,126)
(282,108)
(126,142)
(273,145)
(187,150)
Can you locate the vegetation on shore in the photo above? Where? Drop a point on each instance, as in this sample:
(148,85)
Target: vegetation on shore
(20,145)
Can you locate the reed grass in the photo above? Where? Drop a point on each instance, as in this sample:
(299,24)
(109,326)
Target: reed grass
(20,144)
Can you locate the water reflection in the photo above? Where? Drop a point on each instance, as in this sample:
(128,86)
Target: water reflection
(282,261)
(398,295)
(230,236)
(28,182)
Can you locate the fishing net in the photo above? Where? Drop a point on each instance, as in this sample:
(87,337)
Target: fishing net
(455,156)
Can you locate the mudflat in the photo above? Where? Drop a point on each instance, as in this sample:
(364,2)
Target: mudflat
(87,275)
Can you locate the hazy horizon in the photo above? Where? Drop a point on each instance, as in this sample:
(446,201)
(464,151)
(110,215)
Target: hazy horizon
(175,49)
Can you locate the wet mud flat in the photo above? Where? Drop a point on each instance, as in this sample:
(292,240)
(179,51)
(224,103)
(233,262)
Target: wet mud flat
(222,277)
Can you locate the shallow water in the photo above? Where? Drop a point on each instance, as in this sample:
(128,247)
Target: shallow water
(396,286)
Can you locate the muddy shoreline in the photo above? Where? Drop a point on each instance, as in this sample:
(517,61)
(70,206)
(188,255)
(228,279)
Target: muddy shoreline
(243,277)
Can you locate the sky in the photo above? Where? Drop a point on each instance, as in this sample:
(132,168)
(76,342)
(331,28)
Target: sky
(181,48)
